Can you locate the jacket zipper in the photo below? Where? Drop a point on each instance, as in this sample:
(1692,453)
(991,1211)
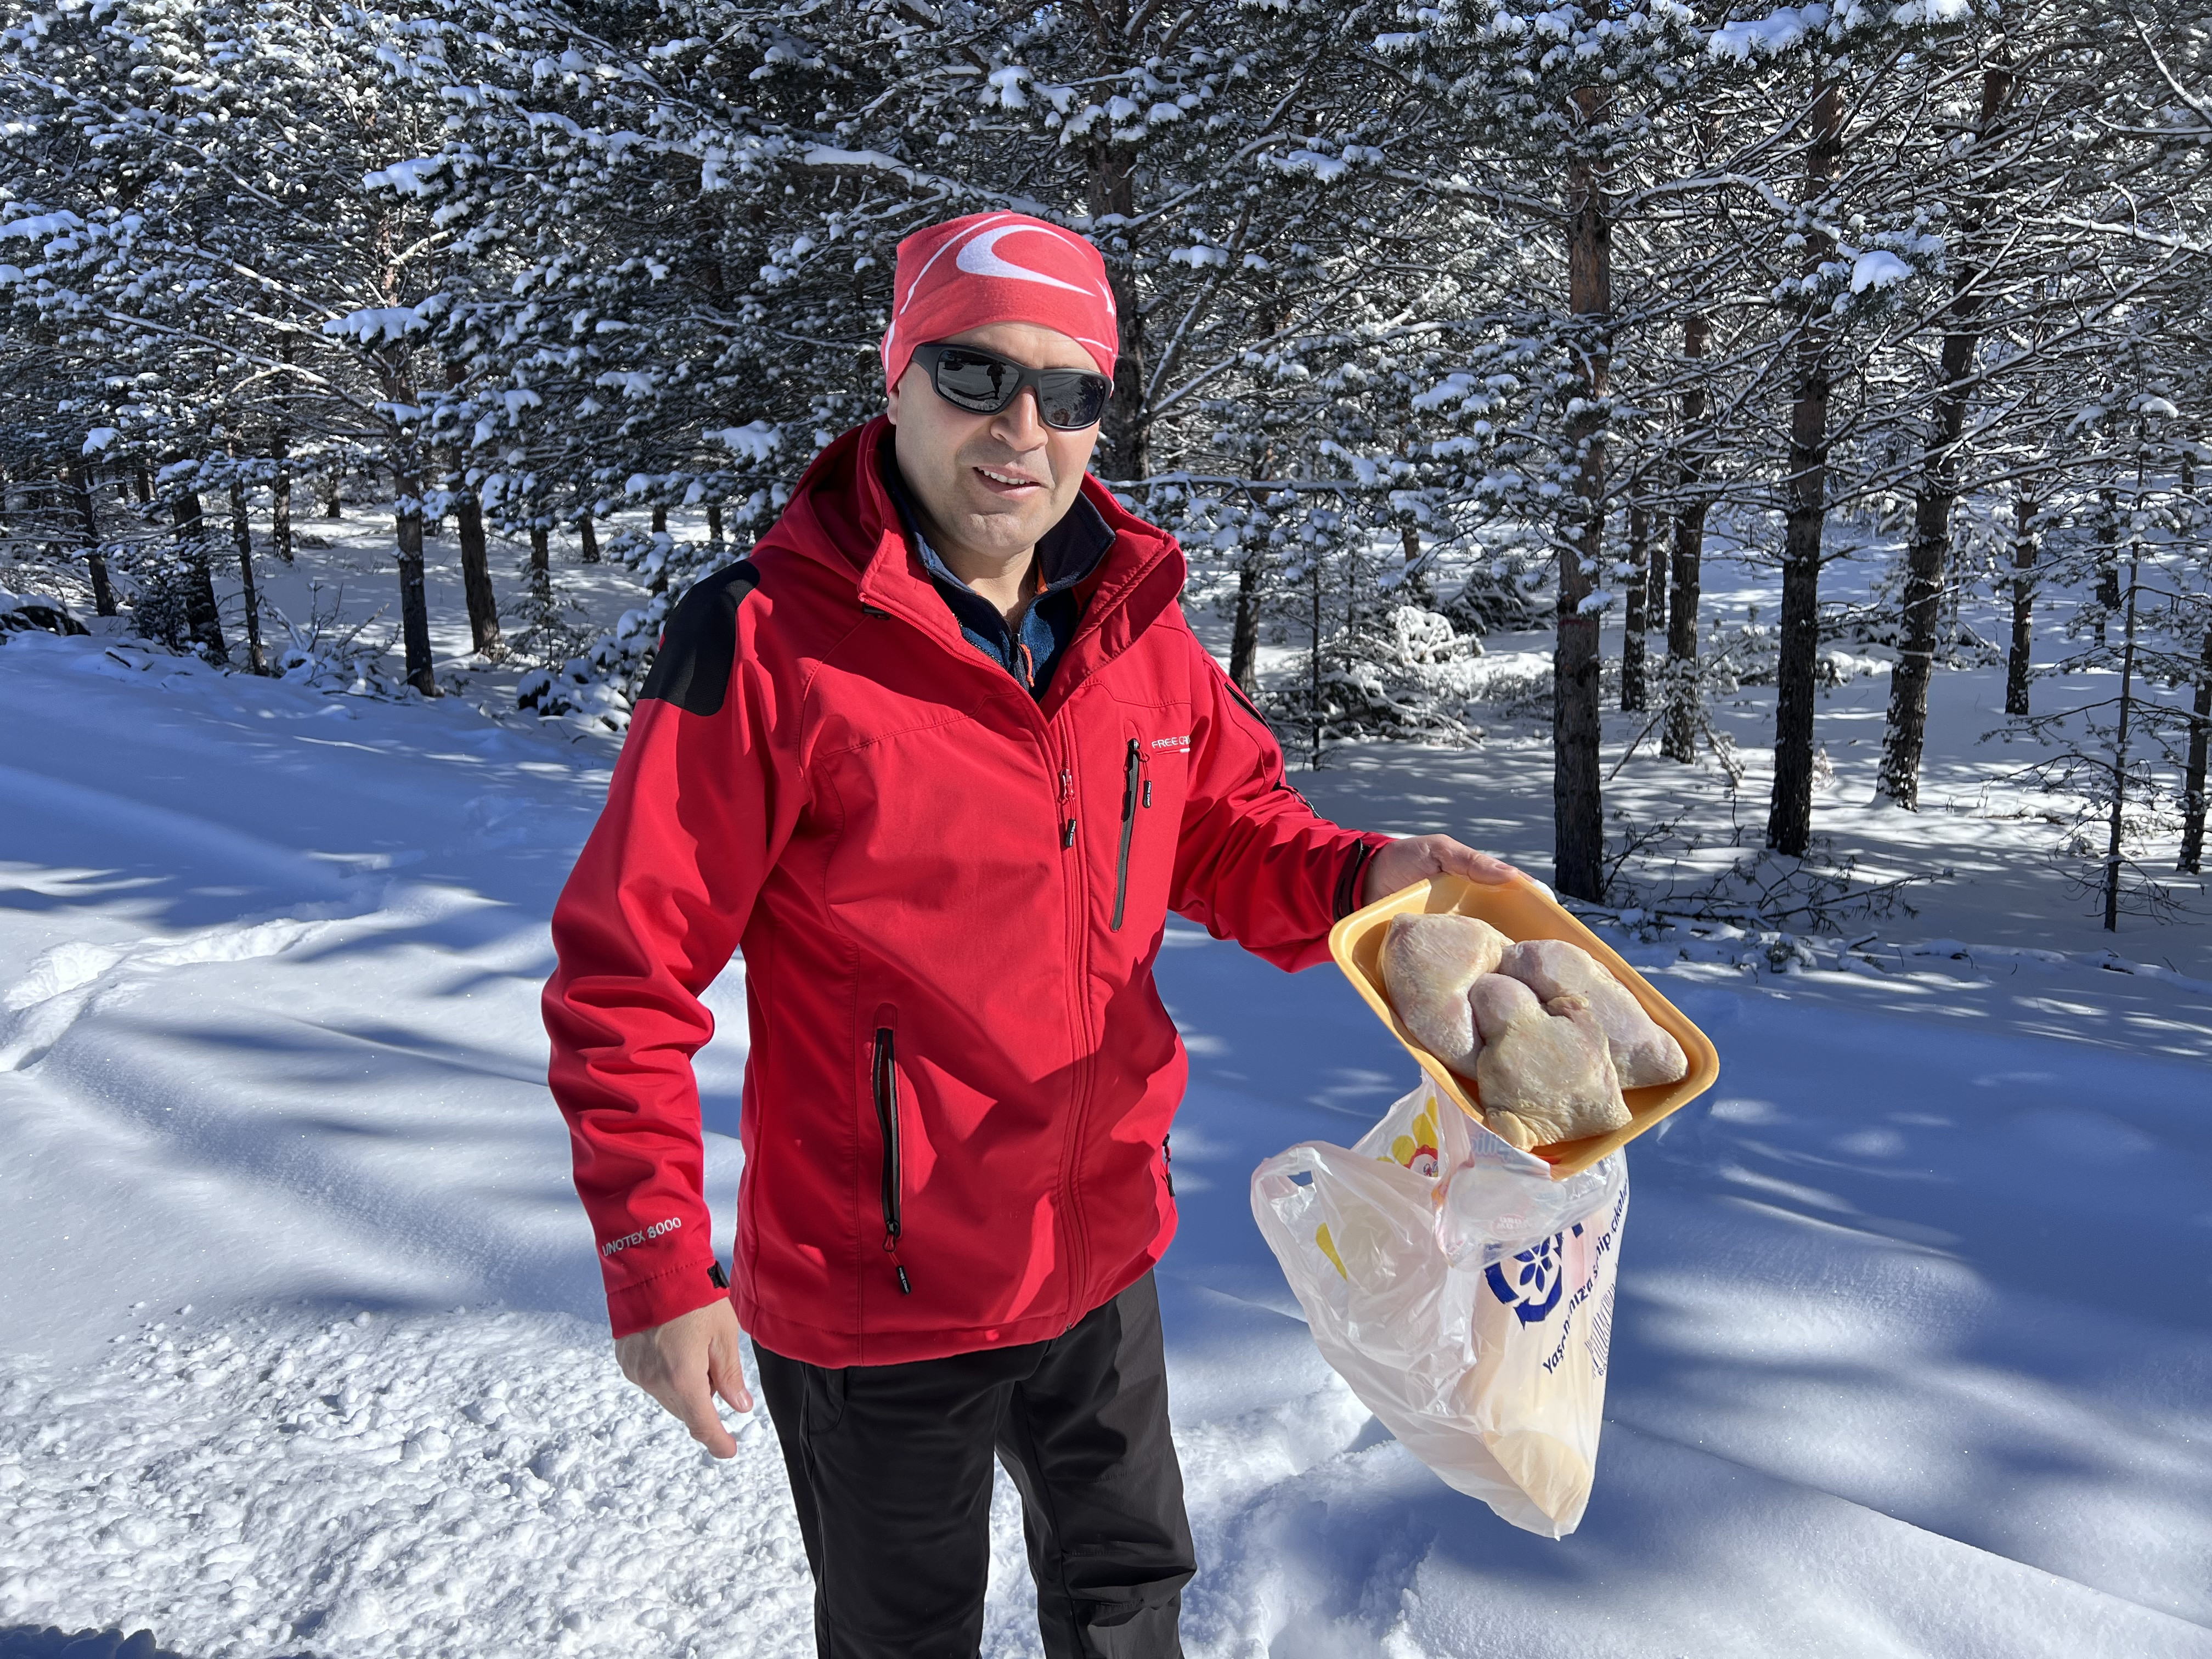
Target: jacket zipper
(1167,1164)
(1128,829)
(1084,1071)
(886,1091)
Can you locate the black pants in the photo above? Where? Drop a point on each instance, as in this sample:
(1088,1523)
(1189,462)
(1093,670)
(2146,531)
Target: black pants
(890,1466)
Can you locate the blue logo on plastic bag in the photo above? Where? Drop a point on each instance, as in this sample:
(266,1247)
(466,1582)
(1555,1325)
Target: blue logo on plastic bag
(1531,1281)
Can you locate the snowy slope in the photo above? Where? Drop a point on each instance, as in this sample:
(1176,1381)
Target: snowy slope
(300,1337)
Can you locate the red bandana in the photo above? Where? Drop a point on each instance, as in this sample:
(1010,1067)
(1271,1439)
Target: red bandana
(998,268)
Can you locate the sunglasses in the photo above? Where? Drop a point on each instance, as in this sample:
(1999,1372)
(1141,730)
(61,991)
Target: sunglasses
(983,383)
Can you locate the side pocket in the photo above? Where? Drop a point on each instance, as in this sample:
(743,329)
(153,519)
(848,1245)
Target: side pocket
(884,1076)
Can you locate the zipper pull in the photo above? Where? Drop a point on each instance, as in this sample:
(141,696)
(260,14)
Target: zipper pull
(1067,783)
(1067,833)
(890,1250)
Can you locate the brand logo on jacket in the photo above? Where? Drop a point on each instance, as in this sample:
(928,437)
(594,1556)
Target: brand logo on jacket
(1182,742)
(614,1245)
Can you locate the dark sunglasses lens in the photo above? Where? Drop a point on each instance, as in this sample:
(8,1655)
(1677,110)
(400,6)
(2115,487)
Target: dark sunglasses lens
(982,384)
(1072,399)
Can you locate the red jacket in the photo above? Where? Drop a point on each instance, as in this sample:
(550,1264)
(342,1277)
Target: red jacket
(949,896)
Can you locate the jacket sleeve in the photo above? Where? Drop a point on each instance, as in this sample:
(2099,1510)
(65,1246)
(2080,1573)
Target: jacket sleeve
(1256,863)
(695,815)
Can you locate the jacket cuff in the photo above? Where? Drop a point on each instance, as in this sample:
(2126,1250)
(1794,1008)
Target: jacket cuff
(1352,876)
(682,1289)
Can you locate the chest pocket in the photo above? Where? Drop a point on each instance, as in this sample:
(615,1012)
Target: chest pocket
(1151,782)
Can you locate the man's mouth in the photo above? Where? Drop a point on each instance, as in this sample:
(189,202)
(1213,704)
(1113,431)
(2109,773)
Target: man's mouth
(1002,481)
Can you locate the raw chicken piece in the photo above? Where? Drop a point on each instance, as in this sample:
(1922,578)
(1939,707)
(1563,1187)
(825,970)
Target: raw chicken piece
(1543,1069)
(1428,964)
(1643,1051)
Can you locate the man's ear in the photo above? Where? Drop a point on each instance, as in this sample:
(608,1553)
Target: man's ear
(891,404)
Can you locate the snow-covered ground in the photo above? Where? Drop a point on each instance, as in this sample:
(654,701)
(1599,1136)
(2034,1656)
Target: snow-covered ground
(300,1334)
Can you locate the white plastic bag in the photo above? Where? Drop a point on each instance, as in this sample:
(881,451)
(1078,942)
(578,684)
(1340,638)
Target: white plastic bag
(1465,1295)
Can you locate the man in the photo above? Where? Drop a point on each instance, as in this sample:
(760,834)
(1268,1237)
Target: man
(939,756)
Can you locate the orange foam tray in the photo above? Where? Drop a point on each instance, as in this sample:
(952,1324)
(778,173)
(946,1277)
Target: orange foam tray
(1521,909)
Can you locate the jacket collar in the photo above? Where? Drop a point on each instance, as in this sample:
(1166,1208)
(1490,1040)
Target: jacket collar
(841,516)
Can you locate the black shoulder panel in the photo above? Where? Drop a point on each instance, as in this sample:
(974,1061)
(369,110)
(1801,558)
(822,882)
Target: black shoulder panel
(699,645)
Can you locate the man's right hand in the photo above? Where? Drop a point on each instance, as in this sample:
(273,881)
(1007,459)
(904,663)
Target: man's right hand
(686,1363)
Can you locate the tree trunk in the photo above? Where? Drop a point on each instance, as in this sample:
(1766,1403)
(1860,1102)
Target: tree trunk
(1577,800)
(475,576)
(1926,566)
(242,537)
(1686,562)
(706,254)
(280,510)
(203,620)
(333,487)
(145,485)
(1928,556)
(2019,661)
(2193,779)
(1313,666)
(414,608)
(660,521)
(2115,837)
(1790,815)
(541,563)
(1124,451)
(280,450)
(1655,592)
(714,523)
(1244,632)
(103,590)
(1635,621)
(1416,585)
(2108,558)
(590,536)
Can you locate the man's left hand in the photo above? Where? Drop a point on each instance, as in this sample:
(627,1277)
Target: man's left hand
(1415,858)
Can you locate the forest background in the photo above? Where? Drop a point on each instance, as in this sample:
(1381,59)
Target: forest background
(1437,321)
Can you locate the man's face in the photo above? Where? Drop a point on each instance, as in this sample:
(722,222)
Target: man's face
(990,485)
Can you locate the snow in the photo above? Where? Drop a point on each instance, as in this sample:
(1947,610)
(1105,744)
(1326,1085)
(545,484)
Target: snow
(1779,31)
(416,176)
(1004,86)
(33,227)
(1327,168)
(1879,268)
(756,441)
(301,1347)
(823,156)
(376,323)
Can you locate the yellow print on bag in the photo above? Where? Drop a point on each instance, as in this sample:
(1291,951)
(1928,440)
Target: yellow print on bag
(1329,1249)
(1416,1150)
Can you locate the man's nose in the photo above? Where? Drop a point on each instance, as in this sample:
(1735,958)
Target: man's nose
(1021,423)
